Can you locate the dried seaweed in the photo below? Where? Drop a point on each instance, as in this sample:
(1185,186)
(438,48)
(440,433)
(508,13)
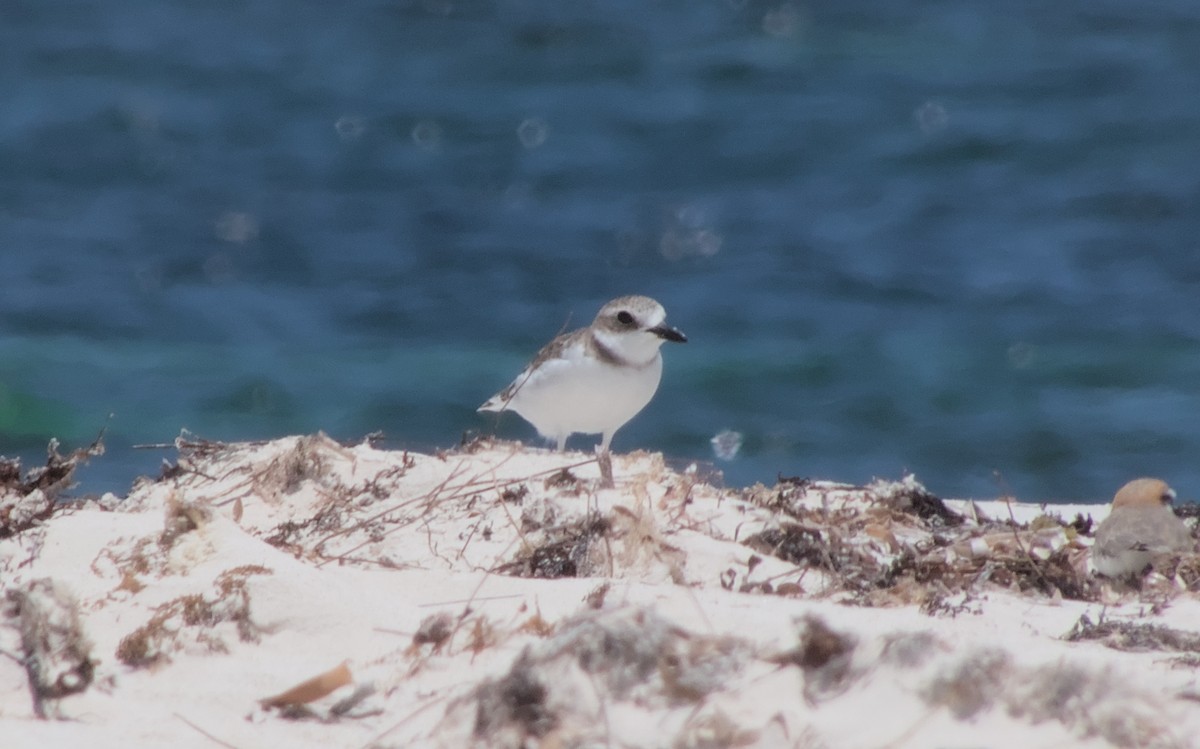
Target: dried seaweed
(515,494)
(1187,510)
(434,630)
(515,701)
(564,479)
(473,441)
(28,500)
(926,506)
(153,641)
(824,655)
(1135,637)
(895,543)
(792,543)
(1081,525)
(1051,576)
(820,645)
(565,552)
(630,655)
(972,686)
(57,652)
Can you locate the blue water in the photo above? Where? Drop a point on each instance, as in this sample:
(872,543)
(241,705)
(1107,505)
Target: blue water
(961,239)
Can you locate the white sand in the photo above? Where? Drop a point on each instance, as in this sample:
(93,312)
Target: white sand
(259,567)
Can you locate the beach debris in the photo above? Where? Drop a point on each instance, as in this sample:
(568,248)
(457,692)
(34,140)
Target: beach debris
(715,729)
(191,621)
(183,517)
(434,630)
(888,543)
(1134,636)
(26,500)
(595,598)
(308,460)
(311,690)
(1088,702)
(970,685)
(473,441)
(514,708)
(573,549)
(21,511)
(793,543)
(895,543)
(564,480)
(559,686)
(909,495)
(673,631)
(823,654)
(56,651)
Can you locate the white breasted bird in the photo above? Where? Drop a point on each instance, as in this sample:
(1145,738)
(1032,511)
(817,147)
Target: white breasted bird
(595,379)
(1140,529)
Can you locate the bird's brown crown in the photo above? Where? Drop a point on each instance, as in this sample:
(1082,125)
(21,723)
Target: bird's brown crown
(1144,492)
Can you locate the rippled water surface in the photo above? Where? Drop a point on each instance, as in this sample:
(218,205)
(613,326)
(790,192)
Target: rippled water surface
(957,239)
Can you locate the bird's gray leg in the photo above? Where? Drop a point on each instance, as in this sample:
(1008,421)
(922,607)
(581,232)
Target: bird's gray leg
(604,459)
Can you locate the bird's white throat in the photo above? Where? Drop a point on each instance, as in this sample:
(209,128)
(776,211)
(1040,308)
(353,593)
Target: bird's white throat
(636,347)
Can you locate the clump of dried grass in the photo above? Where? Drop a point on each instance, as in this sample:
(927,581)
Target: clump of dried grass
(972,685)
(573,549)
(30,498)
(167,630)
(57,654)
(1087,702)
(556,688)
(1134,636)
(514,708)
(824,654)
(895,543)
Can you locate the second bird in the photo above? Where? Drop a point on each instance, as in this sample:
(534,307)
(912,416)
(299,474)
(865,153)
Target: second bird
(1140,529)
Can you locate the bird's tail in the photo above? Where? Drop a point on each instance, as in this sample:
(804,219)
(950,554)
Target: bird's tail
(495,404)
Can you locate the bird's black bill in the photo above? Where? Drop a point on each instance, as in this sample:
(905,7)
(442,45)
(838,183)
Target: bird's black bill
(669,334)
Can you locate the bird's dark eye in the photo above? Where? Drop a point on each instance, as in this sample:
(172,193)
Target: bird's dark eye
(1168,497)
(624,318)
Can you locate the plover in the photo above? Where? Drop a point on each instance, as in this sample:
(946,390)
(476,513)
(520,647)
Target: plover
(595,379)
(1141,528)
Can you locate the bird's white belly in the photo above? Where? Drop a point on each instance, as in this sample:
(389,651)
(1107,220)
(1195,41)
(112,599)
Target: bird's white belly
(585,396)
(1128,562)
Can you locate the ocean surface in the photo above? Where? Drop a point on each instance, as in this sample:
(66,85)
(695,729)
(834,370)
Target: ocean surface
(958,239)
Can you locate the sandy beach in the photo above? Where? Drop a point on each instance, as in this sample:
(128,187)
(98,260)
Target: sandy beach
(306,593)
